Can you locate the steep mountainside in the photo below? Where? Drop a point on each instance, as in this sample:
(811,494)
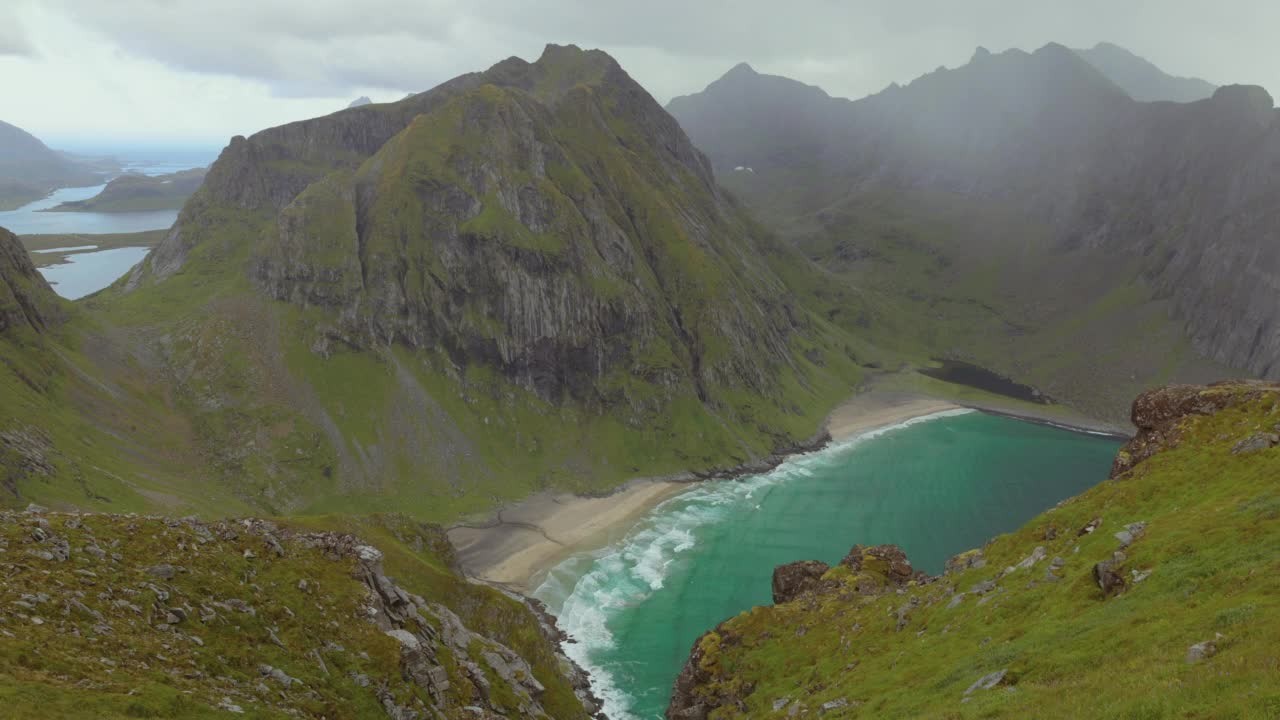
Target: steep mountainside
(1141,79)
(27,303)
(524,278)
(122,616)
(1152,595)
(29,169)
(135,192)
(1025,208)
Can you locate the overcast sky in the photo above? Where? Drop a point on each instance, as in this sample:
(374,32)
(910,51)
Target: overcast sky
(93,72)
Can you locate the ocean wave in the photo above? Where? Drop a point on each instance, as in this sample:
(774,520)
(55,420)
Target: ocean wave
(587,590)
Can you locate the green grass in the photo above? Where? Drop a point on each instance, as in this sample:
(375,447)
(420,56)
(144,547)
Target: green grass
(69,665)
(1211,546)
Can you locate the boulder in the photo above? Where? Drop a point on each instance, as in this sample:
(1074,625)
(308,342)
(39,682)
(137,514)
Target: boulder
(988,681)
(1255,443)
(1201,651)
(1108,580)
(792,580)
(888,562)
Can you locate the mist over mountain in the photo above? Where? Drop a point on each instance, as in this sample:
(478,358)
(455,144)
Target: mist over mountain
(1141,79)
(1179,193)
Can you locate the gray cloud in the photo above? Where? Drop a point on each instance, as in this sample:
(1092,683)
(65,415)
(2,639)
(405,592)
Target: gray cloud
(277,58)
(13,37)
(329,47)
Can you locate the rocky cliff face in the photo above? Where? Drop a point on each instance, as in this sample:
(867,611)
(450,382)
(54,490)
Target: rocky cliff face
(514,226)
(26,300)
(1030,624)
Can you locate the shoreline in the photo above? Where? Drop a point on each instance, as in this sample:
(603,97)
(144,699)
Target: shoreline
(522,541)
(517,546)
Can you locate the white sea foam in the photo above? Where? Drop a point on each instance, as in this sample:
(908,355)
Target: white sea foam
(588,589)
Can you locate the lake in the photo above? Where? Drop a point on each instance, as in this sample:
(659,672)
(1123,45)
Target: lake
(86,273)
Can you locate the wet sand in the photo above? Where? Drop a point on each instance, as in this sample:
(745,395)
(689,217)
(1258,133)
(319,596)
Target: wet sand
(524,540)
(527,538)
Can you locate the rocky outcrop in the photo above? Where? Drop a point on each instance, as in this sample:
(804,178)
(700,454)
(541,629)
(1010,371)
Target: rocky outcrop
(1159,416)
(794,579)
(26,300)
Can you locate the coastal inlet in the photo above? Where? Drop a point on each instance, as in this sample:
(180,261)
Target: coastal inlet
(936,485)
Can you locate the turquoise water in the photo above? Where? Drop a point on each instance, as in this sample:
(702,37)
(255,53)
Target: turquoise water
(935,486)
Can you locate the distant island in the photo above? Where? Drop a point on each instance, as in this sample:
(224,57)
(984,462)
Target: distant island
(29,170)
(135,192)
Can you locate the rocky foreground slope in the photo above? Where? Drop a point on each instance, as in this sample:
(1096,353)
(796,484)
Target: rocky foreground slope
(106,616)
(1155,594)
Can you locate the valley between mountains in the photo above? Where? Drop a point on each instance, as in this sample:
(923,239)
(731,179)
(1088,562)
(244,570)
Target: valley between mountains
(229,474)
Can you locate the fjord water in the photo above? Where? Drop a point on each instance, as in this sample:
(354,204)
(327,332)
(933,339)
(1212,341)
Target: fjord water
(936,486)
(33,218)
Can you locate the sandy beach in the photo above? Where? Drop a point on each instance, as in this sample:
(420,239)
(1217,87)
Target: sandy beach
(517,546)
(869,411)
(526,539)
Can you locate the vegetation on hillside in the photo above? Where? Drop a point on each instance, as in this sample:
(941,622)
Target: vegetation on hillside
(125,616)
(1153,595)
(136,192)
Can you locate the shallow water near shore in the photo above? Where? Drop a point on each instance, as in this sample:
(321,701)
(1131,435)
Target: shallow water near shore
(936,486)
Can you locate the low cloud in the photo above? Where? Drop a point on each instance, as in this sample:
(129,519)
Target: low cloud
(332,47)
(13,36)
(261,61)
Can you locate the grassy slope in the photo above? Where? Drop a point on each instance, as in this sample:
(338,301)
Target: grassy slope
(110,432)
(66,667)
(1211,545)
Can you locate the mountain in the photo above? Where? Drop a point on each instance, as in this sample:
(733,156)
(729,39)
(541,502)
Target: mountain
(29,170)
(525,278)
(362,100)
(1023,212)
(161,617)
(27,303)
(135,192)
(1141,79)
(1139,583)
(759,118)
